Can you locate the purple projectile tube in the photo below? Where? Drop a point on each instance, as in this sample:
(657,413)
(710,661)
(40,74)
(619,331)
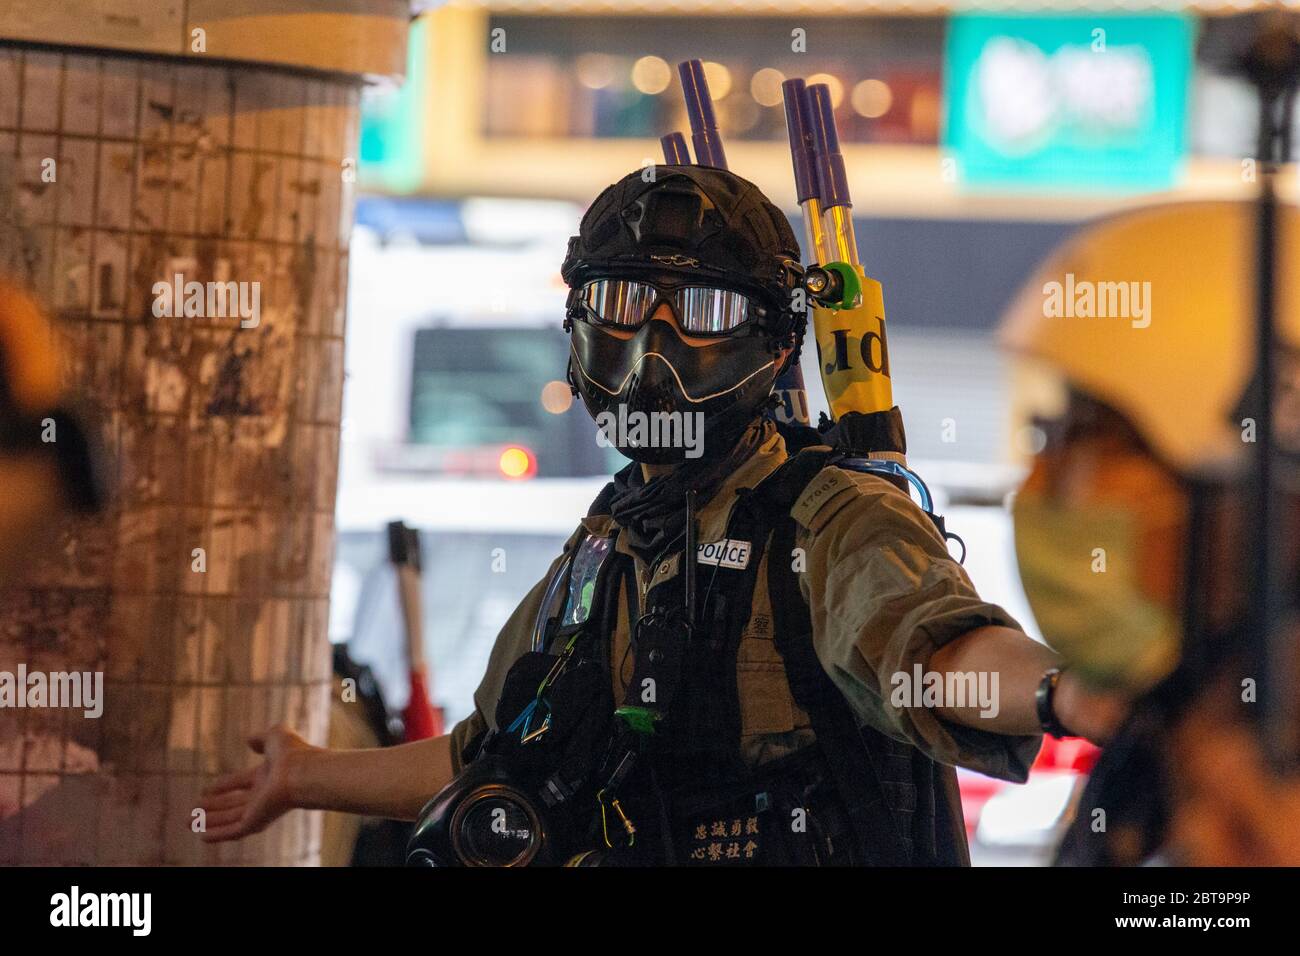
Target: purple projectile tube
(699,108)
(832,182)
(675,153)
(800,131)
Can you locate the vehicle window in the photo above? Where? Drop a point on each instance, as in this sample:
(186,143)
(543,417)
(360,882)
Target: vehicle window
(474,388)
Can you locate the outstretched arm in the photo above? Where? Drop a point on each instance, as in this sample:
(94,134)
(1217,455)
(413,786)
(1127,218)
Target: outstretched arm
(1020,663)
(384,782)
(390,782)
(1018,660)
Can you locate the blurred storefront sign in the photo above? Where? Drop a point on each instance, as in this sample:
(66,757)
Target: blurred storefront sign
(1063,102)
(390,155)
(502,123)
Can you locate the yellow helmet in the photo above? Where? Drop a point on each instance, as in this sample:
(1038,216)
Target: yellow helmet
(34,414)
(29,355)
(1152,312)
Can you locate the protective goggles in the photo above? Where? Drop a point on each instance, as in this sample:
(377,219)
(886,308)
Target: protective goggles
(627,304)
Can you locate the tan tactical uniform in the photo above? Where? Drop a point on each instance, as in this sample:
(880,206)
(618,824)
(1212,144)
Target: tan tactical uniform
(884,594)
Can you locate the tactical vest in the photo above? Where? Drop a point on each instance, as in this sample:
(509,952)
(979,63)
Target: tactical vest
(668,770)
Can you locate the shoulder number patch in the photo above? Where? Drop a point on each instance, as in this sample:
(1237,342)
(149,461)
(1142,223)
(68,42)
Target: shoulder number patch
(827,484)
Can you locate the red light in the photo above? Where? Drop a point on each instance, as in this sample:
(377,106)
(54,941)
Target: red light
(517,463)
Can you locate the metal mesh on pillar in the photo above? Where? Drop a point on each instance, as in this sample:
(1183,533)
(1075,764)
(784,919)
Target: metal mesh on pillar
(202,595)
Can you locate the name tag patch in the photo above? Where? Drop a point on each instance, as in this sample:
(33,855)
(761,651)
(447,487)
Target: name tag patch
(727,553)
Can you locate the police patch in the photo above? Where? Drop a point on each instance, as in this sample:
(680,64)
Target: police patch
(727,553)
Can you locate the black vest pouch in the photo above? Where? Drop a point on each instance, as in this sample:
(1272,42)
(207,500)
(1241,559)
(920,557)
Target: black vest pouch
(529,796)
(825,805)
(553,719)
(784,813)
(556,706)
(565,726)
(661,640)
(737,826)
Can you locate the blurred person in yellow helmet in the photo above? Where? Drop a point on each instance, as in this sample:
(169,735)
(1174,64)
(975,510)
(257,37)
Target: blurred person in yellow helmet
(45,459)
(1139,344)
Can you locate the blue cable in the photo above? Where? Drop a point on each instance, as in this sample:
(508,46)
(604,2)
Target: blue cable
(883,466)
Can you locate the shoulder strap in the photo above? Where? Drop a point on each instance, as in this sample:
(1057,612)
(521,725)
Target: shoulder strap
(777,493)
(798,437)
(847,752)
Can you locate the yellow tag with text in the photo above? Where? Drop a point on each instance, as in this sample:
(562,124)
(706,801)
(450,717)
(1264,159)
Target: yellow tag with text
(853,354)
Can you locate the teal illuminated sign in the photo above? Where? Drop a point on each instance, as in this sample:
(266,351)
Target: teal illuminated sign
(392,128)
(1073,101)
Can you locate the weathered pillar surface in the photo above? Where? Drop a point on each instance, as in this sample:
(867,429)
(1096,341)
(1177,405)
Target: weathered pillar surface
(222,430)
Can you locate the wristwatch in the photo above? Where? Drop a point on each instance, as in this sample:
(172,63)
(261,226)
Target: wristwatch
(1044,699)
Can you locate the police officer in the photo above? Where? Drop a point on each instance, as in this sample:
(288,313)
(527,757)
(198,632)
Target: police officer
(747,653)
(1129,529)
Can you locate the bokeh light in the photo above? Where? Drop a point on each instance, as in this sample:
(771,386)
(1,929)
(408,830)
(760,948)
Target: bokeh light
(719,79)
(765,86)
(516,462)
(872,98)
(595,70)
(833,82)
(557,397)
(651,75)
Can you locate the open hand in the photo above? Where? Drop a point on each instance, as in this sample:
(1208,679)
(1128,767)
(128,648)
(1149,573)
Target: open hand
(247,802)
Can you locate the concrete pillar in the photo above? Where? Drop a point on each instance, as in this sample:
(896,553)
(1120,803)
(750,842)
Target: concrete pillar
(202,594)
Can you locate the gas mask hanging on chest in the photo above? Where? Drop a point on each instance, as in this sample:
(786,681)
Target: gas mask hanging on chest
(681,310)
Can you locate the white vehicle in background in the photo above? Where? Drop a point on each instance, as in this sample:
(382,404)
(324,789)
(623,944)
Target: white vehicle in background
(458,421)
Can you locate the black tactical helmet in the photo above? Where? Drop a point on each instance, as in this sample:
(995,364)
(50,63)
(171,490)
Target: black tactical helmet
(692,222)
(692,226)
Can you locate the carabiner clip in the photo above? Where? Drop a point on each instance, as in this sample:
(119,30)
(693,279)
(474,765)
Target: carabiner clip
(604,822)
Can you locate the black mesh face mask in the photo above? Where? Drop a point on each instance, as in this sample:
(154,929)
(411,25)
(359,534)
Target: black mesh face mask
(659,399)
(709,245)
